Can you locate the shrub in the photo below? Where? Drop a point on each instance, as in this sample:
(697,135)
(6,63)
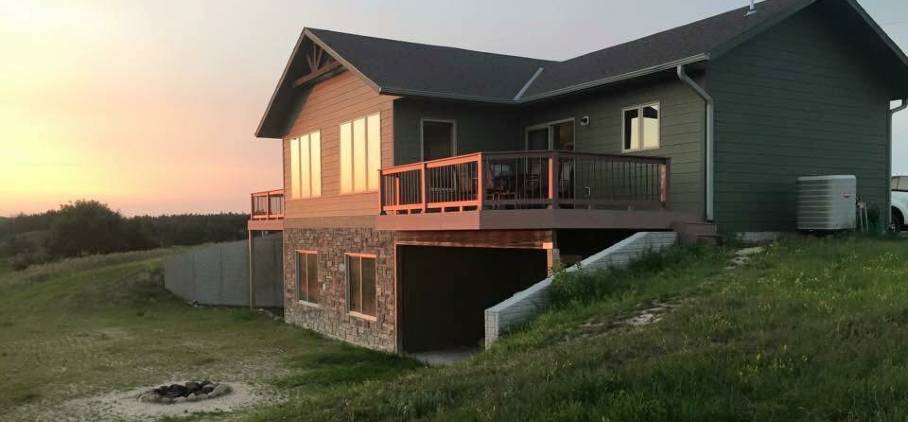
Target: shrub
(86,228)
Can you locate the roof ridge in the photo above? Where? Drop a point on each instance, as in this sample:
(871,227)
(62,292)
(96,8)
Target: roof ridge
(431,45)
(654,34)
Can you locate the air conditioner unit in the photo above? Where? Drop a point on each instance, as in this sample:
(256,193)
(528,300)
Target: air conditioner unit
(827,202)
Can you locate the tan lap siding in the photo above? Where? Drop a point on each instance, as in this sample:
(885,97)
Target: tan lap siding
(324,107)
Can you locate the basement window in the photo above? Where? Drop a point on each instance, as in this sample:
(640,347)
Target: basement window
(641,127)
(307,289)
(361,299)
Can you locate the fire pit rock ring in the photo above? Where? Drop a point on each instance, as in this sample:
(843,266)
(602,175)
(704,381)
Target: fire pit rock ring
(188,392)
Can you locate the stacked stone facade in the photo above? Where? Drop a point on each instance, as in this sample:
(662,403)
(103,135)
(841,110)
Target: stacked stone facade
(330,316)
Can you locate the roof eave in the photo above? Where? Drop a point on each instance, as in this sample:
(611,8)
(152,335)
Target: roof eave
(282,82)
(259,131)
(615,79)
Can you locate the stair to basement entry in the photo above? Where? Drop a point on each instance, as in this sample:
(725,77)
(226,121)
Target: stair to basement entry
(524,305)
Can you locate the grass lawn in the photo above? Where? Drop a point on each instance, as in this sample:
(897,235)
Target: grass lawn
(808,330)
(93,325)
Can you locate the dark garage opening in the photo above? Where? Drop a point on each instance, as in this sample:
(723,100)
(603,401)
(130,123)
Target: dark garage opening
(446,290)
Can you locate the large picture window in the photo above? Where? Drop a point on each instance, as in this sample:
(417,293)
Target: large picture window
(361,284)
(307,289)
(641,127)
(360,154)
(306,166)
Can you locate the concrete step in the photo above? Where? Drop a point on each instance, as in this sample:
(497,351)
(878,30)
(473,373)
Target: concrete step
(696,232)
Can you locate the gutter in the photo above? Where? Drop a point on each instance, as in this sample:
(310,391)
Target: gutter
(710,133)
(892,112)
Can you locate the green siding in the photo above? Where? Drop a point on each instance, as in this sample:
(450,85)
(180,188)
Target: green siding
(682,120)
(798,100)
(479,127)
(488,128)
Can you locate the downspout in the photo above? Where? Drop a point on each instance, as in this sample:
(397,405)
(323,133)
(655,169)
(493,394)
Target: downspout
(710,132)
(892,112)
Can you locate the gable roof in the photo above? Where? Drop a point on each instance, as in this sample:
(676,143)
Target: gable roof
(403,67)
(412,69)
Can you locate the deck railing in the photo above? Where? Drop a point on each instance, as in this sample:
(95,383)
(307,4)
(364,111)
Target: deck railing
(526,180)
(268,205)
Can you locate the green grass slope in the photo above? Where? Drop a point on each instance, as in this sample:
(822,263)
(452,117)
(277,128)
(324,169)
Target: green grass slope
(808,330)
(98,324)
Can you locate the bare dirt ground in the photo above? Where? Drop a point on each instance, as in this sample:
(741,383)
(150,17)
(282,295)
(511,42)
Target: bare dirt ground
(124,406)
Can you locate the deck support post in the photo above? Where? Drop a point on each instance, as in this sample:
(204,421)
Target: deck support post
(552,256)
(251,245)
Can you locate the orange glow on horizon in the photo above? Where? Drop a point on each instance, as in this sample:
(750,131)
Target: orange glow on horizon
(94,105)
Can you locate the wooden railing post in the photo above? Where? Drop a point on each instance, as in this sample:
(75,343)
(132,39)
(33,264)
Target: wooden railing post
(424,181)
(480,182)
(381,193)
(664,181)
(554,177)
(268,205)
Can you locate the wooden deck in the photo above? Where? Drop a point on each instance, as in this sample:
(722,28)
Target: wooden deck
(533,219)
(528,190)
(267,210)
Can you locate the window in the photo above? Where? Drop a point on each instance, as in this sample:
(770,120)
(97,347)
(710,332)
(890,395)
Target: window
(307,289)
(558,136)
(361,284)
(900,183)
(360,154)
(306,166)
(641,133)
(438,138)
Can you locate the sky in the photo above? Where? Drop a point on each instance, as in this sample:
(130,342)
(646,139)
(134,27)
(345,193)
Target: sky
(151,106)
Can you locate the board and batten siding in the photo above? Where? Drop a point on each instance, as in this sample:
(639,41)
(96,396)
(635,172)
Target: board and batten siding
(682,130)
(797,100)
(324,107)
(479,127)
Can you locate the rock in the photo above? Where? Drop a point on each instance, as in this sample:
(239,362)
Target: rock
(166,400)
(192,397)
(192,386)
(750,251)
(179,400)
(149,397)
(221,389)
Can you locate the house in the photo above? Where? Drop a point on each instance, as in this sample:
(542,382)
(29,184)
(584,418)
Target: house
(423,184)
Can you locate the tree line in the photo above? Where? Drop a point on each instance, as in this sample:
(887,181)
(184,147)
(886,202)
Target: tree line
(90,227)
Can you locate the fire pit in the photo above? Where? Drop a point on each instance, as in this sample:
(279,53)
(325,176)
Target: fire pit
(190,391)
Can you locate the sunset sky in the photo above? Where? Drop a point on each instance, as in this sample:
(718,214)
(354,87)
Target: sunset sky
(151,106)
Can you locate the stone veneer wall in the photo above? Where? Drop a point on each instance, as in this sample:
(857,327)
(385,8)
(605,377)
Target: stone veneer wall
(330,317)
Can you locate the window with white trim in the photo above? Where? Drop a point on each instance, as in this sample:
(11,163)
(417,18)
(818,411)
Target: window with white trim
(641,127)
(306,166)
(360,154)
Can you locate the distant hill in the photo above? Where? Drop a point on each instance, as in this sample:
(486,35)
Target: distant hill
(91,227)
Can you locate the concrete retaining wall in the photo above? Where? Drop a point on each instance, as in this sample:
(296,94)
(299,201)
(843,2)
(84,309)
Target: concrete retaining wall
(519,308)
(218,274)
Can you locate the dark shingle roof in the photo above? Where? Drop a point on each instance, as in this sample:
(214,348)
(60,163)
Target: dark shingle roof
(674,45)
(418,69)
(404,66)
